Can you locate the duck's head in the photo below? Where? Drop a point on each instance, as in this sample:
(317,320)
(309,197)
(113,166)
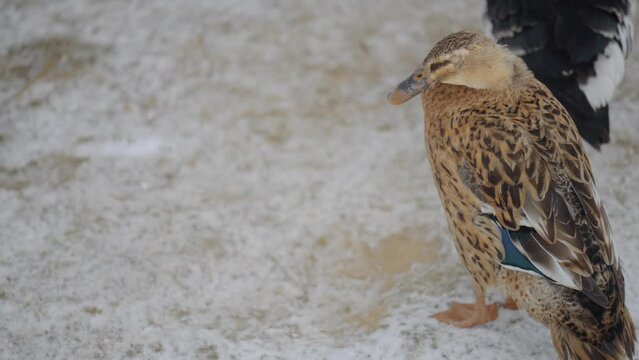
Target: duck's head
(463,58)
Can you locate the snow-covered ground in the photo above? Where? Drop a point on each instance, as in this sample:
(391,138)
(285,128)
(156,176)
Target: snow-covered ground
(225,180)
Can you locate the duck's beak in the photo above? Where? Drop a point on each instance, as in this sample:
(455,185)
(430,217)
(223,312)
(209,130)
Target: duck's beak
(407,89)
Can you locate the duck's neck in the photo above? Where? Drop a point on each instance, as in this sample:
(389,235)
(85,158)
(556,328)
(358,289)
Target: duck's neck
(521,74)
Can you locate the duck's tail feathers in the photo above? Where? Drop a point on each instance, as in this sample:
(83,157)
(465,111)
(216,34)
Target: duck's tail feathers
(619,344)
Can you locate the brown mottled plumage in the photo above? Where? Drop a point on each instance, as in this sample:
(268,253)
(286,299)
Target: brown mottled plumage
(520,197)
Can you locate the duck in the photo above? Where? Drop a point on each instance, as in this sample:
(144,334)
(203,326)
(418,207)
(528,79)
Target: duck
(519,197)
(577,48)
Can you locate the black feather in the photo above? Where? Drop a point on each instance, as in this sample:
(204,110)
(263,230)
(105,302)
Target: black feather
(560,40)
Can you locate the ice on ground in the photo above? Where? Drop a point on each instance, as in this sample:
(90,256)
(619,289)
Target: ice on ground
(225,180)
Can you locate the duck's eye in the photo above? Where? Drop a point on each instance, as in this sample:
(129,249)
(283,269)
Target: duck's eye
(437,65)
(419,76)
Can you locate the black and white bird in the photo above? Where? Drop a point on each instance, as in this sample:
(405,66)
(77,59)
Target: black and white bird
(575,47)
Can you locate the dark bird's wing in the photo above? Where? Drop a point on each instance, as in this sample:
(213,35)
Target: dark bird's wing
(575,47)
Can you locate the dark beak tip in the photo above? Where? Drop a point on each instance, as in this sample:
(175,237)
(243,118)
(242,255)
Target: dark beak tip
(407,90)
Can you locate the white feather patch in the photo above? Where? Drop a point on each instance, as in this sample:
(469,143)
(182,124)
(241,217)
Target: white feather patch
(514,268)
(609,68)
(487,209)
(626,31)
(488,25)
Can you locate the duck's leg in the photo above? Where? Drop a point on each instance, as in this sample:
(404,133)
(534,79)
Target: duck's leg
(469,315)
(510,304)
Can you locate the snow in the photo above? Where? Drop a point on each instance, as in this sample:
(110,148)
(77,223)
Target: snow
(225,180)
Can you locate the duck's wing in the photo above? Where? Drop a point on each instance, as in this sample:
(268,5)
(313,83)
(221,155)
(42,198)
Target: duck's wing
(541,194)
(576,48)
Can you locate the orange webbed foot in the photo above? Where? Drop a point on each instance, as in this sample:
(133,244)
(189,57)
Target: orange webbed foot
(467,315)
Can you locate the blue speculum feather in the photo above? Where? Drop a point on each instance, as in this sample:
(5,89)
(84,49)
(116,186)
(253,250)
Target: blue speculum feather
(512,256)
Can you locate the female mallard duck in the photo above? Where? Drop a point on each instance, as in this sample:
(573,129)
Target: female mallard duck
(520,197)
